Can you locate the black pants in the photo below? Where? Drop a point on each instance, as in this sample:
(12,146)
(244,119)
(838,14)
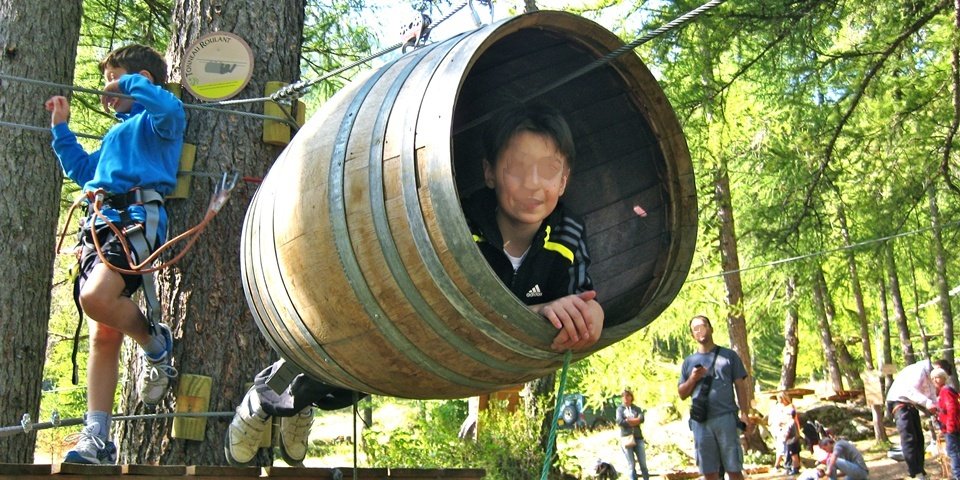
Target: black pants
(301,393)
(911,437)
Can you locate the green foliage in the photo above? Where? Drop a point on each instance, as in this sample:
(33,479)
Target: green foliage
(507,445)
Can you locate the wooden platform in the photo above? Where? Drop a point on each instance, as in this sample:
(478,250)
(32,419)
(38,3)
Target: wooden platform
(65,471)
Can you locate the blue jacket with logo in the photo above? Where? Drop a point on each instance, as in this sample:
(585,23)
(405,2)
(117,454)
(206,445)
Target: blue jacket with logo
(554,267)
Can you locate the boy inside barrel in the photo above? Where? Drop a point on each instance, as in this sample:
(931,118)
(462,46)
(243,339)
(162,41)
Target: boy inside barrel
(536,247)
(534,244)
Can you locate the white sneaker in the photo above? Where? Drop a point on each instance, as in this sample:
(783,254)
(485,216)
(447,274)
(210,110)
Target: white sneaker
(245,431)
(156,373)
(91,449)
(294,433)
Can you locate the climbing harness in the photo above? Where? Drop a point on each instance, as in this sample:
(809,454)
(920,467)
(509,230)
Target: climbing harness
(96,199)
(136,240)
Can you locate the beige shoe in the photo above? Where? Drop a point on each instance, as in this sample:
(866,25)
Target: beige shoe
(294,434)
(245,431)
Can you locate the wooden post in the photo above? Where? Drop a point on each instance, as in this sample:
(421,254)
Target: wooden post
(193,396)
(274,132)
(187,157)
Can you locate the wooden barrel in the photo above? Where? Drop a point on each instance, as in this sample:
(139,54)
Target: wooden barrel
(357,261)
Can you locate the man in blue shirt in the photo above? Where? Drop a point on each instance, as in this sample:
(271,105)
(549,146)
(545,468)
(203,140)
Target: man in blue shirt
(716,438)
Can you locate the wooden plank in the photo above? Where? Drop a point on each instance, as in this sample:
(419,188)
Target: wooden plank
(274,132)
(94,471)
(25,469)
(223,472)
(366,473)
(300,472)
(155,470)
(193,396)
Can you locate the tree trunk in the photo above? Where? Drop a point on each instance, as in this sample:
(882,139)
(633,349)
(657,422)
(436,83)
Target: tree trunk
(30,192)
(202,295)
(826,338)
(844,360)
(899,314)
(736,322)
(542,393)
(791,340)
(879,433)
(530,6)
(885,334)
(943,288)
(848,366)
(857,290)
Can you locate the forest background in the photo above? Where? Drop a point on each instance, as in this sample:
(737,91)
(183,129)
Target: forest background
(823,136)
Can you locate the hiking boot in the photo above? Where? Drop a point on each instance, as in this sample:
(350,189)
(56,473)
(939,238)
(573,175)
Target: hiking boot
(91,449)
(245,431)
(156,372)
(294,433)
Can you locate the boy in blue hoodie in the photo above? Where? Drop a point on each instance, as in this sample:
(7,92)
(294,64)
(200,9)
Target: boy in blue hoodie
(135,167)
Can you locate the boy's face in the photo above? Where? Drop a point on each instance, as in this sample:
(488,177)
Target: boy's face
(119,105)
(529,178)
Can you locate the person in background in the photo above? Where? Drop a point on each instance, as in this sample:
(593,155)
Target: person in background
(785,424)
(912,391)
(844,457)
(717,439)
(948,417)
(629,418)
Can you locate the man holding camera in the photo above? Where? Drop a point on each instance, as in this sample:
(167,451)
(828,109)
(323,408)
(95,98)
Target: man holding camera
(716,379)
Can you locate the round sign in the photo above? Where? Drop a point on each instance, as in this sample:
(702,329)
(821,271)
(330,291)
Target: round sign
(217,66)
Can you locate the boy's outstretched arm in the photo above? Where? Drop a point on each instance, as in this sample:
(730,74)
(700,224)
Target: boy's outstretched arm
(579,317)
(76,162)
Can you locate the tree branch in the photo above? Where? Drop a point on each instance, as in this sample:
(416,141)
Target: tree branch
(854,103)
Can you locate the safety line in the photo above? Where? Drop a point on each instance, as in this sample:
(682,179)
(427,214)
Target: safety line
(673,24)
(26,426)
(297,88)
(552,438)
(600,62)
(189,106)
(826,252)
(33,128)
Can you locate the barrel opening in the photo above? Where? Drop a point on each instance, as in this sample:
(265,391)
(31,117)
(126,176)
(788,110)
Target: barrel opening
(620,183)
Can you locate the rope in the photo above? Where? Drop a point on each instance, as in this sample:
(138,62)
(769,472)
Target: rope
(26,426)
(298,88)
(608,58)
(674,24)
(189,106)
(826,252)
(551,440)
(33,128)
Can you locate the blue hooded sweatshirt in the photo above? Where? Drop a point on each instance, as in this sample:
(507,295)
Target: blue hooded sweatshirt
(143,150)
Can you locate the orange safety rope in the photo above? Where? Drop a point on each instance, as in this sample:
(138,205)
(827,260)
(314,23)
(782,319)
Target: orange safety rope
(218,199)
